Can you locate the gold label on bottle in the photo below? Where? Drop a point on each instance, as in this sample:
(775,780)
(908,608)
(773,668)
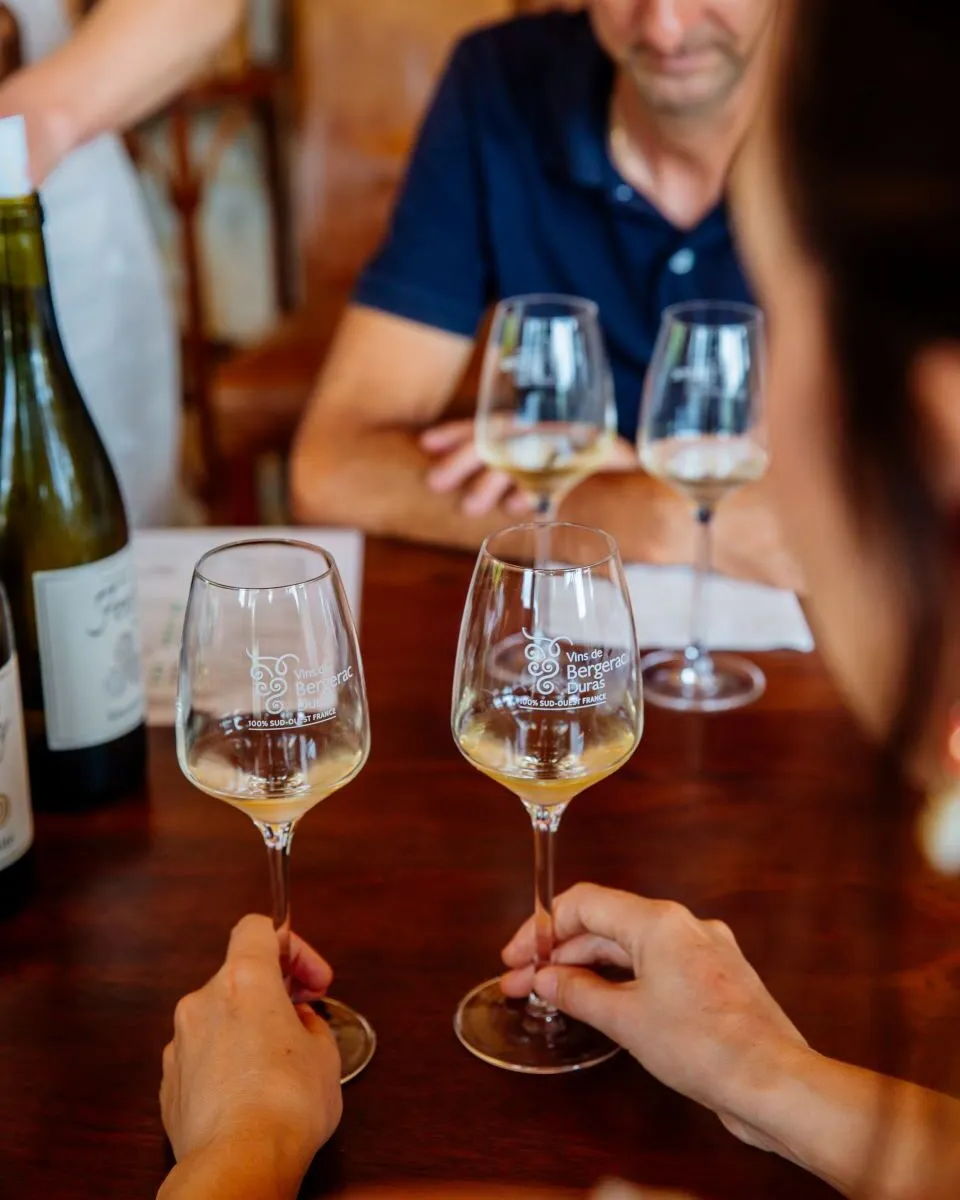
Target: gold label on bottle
(16,817)
(89,637)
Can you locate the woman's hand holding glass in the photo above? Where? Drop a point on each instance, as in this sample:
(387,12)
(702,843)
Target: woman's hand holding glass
(249,1079)
(695,1014)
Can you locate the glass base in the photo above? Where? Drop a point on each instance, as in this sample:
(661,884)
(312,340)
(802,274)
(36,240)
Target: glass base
(670,681)
(356,1040)
(504,1034)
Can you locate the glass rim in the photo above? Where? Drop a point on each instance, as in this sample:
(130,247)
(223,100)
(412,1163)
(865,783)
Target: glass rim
(530,299)
(747,313)
(612,555)
(329,569)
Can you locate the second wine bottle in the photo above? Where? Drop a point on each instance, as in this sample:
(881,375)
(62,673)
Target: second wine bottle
(65,556)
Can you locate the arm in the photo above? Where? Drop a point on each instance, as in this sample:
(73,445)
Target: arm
(359,460)
(124,61)
(697,1017)
(243,1166)
(832,1119)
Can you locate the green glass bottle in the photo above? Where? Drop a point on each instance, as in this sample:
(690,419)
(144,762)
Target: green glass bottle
(65,557)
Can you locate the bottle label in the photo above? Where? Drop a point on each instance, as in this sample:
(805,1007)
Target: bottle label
(16,818)
(89,638)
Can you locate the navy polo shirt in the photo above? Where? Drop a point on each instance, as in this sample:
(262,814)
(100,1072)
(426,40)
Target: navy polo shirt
(511,189)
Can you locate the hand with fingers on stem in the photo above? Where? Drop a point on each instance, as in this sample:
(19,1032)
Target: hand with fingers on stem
(695,1014)
(251,1080)
(459,466)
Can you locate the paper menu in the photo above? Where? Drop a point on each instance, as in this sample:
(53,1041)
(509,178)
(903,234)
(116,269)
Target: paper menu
(165,559)
(740,616)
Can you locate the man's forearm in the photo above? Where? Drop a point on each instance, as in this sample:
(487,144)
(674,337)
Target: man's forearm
(130,56)
(377,482)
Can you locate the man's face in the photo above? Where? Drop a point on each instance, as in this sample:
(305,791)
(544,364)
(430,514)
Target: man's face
(684,56)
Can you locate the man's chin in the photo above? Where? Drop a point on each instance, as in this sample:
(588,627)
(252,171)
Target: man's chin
(683,97)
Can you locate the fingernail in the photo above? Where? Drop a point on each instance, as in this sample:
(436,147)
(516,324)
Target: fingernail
(545,985)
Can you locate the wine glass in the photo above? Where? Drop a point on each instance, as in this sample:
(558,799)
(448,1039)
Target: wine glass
(546,413)
(546,701)
(701,432)
(272,709)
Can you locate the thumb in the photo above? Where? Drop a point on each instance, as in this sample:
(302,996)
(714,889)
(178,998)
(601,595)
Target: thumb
(582,994)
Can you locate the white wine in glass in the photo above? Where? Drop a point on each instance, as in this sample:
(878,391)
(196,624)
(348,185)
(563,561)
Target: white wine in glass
(263,772)
(546,414)
(705,469)
(272,711)
(547,774)
(547,702)
(701,432)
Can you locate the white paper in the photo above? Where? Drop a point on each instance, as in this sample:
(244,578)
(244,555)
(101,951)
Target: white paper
(740,616)
(165,559)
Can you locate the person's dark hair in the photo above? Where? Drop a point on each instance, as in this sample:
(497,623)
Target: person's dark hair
(867,114)
(866,125)
(865,122)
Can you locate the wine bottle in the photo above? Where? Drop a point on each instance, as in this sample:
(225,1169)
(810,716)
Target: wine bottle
(65,557)
(16,817)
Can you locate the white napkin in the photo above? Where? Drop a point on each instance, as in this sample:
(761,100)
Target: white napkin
(740,616)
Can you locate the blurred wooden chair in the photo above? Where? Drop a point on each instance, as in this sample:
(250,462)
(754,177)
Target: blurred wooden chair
(363,74)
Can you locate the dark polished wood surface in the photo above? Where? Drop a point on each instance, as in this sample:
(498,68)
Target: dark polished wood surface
(412,879)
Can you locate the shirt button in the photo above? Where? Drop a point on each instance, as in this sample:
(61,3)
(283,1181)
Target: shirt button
(623,192)
(682,262)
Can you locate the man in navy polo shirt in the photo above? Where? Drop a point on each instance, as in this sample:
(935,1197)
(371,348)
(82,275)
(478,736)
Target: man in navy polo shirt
(583,153)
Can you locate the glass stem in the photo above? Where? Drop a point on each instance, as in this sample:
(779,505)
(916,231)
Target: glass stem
(278,839)
(697,655)
(546,822)
(545,507)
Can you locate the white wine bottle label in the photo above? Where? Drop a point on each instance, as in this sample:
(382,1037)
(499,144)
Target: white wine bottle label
(16,817)
(89,638)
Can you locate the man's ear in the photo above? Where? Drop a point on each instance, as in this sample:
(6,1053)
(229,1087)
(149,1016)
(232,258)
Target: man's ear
(936,387)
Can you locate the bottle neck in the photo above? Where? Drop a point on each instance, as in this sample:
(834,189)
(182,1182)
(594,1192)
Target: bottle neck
(23,260)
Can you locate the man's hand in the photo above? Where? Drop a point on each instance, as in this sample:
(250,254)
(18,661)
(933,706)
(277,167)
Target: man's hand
(460,467)
(749,542)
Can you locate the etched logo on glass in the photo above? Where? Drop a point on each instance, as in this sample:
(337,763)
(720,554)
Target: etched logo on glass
(565,677)
(287,695)
(543,657)
(271,681)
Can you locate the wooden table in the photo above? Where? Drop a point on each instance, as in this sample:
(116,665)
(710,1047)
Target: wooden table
(413,878)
